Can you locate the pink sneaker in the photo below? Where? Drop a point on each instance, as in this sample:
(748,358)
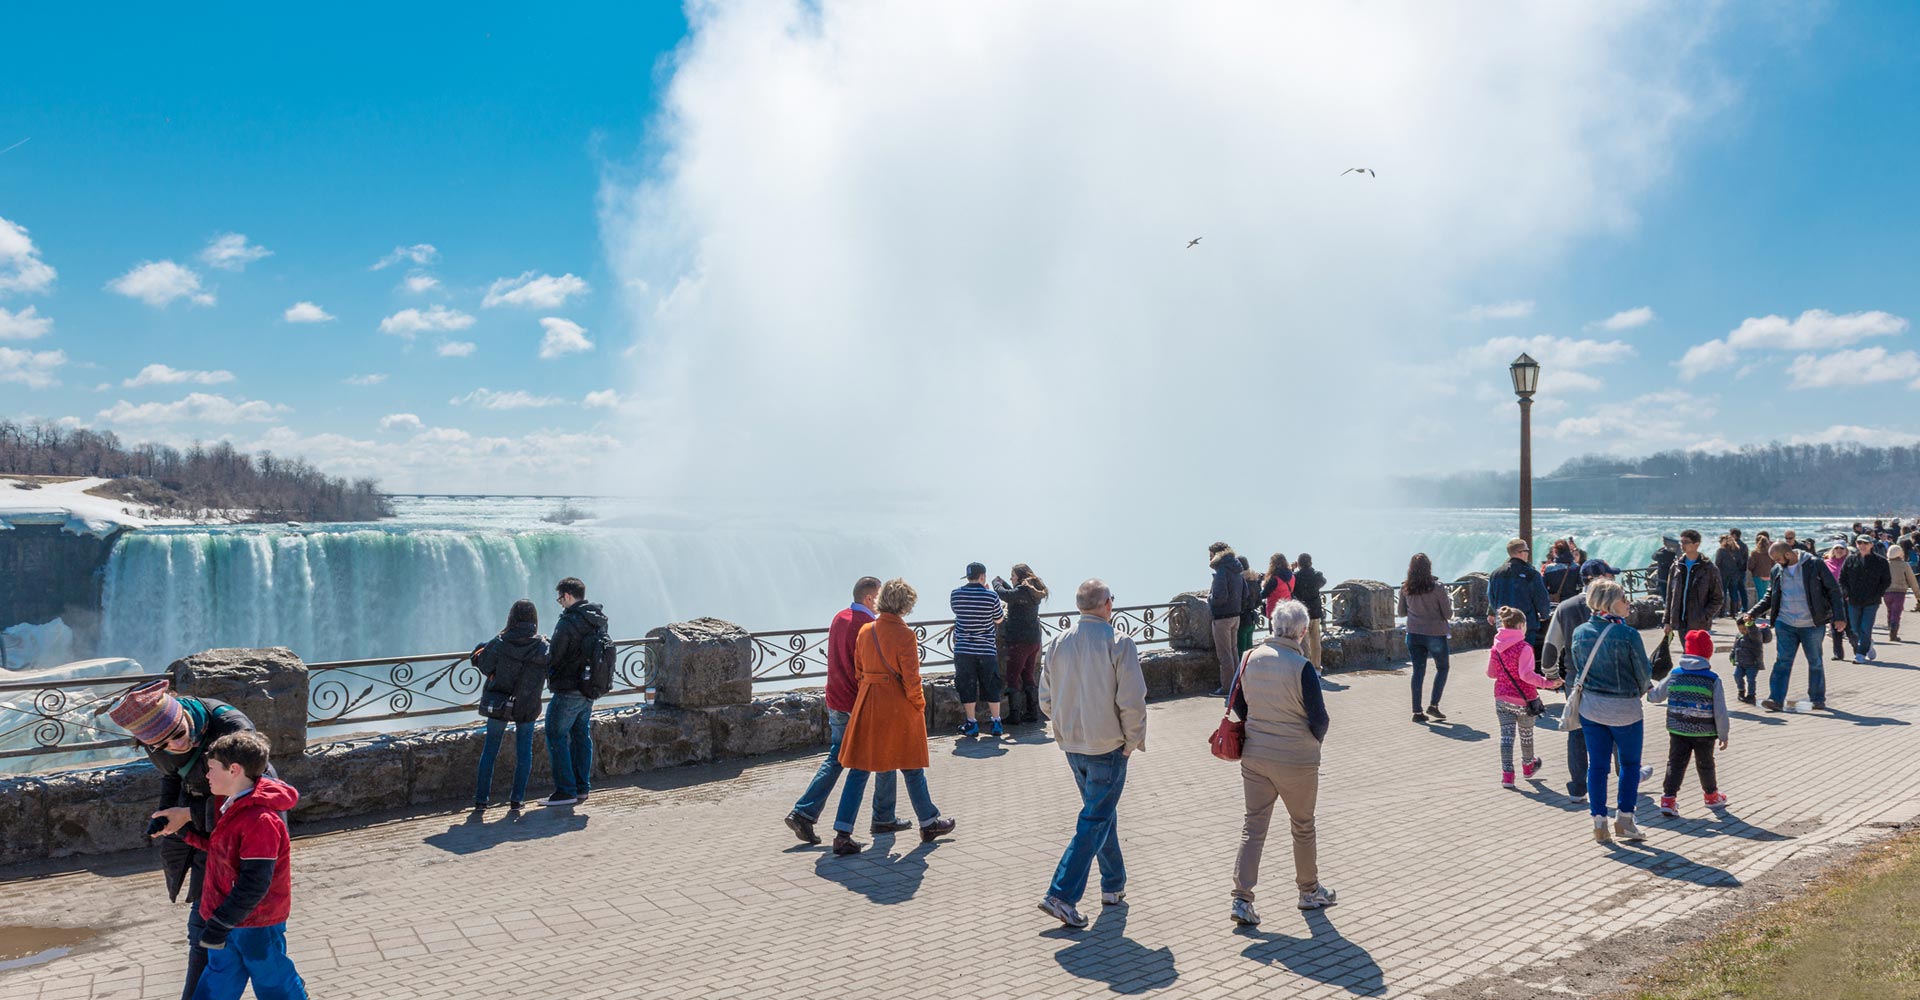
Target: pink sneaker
(1506,779)
(1716,800)
(1668,806)
(1532,768)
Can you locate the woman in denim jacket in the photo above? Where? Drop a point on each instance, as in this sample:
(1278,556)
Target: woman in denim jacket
(1612,680)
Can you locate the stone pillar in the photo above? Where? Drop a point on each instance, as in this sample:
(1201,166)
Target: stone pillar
(703,663)
(270,685)
(1190,622)
(1476,605)
(1369,605)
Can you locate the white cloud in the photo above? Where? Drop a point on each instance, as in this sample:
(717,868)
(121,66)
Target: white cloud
(487,399)
(160,282)
(1627,319)
(443,458)
(307,312)
(232,252)
(21,269)
(401,422)
(1849,434)
(810,224)
(1514,309)
(456,349)
(27,324)
(601,399)
(564,337)
(419,282)
(31,369)
(1563,363)
(542,292)
(1673,418)
(408,322)
(1811,330)
(1858,367)
(163,375)
(374,379)
(420,253)
(198,407)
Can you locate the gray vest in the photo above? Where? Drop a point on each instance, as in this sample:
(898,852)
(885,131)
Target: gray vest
(1276,713)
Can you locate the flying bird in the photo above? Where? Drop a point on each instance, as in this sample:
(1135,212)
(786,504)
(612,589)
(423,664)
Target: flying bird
(1193,242)
(1358,170)
(17,145)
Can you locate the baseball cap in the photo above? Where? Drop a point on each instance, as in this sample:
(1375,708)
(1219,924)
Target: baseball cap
(1864,538)
(975,569)
(1596,567)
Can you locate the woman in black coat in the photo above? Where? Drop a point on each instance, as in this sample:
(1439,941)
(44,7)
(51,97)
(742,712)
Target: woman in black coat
(515,665)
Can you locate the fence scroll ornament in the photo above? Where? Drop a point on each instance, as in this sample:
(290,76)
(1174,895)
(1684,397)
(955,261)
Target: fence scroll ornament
(350,692)
(47,715)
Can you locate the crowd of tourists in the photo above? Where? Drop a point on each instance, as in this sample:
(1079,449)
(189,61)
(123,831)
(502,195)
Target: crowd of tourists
(1561,624)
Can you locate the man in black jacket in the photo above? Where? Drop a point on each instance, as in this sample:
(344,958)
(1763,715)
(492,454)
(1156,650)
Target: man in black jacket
(1864,579)
(570,714)
(1518,585)
(1801,597)
(1694,597)
(1224,601)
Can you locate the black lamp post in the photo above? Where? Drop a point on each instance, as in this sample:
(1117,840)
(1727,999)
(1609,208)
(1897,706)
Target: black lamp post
(1526,378)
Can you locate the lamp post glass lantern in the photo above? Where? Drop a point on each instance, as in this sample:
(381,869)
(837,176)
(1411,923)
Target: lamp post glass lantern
(1526,378)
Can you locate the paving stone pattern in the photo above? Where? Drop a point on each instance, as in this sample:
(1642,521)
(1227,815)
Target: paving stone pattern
(685,883)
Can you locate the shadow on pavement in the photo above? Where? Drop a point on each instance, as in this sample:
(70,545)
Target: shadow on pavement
(1769,719)
(1862,720)
(1325,956)
(1720,824)
(878,873)
(474,834)
(1105,953)
(979,748)
(1458,731)
(1666,864)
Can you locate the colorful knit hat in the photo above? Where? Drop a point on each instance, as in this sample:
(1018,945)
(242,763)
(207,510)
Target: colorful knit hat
(149,712)
(1699,643)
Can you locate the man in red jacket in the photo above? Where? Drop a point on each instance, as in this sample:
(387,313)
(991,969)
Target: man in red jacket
(249,887)
(843,683)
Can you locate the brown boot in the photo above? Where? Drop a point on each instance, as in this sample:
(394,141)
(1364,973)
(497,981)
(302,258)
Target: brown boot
(935,830)
(844,844)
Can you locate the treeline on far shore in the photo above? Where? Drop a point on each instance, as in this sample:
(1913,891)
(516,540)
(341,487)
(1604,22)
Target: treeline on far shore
(1847,479)
(203,481)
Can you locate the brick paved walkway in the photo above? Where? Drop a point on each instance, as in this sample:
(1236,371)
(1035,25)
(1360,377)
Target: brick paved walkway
(686,884)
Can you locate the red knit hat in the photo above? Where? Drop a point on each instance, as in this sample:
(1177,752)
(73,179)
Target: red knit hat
(1699,643)
(149,712)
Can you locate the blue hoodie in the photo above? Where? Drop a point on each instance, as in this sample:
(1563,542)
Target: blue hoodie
(1696,701)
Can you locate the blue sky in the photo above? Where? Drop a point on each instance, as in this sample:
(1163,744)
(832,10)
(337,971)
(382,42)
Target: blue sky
(494,134)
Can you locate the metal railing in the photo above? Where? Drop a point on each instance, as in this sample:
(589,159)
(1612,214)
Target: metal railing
(48,712)
(358,692)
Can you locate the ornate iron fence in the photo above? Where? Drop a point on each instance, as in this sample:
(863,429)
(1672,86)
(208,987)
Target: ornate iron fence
(357,692)
(63,716)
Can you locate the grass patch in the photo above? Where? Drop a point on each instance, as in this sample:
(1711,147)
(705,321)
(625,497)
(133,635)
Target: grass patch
(1855,932)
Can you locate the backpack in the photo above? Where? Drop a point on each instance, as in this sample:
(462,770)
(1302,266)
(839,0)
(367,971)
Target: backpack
(596,675)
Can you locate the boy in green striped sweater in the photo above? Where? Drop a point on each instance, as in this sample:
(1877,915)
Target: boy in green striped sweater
(1696,717)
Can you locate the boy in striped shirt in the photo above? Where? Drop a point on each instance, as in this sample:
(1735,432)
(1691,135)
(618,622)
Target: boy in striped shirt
(976,659)
(1696,716)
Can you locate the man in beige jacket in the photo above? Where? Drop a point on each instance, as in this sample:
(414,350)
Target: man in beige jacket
(1092,689)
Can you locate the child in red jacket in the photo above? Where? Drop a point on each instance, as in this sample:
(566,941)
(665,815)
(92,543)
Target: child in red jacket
(248,891)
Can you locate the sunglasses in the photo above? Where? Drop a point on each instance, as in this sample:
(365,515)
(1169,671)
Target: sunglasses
(178,732)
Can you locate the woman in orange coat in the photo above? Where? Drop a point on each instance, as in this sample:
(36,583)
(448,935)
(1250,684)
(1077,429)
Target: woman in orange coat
(888,728)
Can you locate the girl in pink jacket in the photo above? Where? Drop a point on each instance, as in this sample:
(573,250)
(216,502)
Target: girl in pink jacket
(1516,681)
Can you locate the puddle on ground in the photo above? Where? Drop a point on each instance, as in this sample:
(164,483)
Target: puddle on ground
(24,946)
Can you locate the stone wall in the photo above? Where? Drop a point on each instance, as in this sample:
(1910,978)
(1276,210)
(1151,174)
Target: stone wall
(47,572)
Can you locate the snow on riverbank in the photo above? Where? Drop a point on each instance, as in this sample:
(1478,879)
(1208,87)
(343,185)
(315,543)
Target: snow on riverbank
(69,505)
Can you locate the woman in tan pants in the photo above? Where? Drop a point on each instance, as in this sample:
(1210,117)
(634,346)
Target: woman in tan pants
(1277,693)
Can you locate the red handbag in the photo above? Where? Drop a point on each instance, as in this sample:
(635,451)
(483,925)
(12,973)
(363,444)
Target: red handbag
(1225,741)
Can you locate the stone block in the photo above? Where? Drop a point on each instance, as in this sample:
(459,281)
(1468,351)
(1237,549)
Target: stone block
(1471,633)
(23,819)
(1369,605)
(270,685)
(1190,622)
(703,663)
(1647,614)
(443,764)
(1475,606)
(99,811)
(1171,673)
(648,737)
(943,704)
(769,725)
(352,776)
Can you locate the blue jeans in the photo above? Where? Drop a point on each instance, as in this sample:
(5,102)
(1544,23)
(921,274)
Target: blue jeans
(570,743)
(1603,742)
(1419,647)
(1860,626)
(1785,638)
(1101,778)
(522,759)
(856,788)
(1736,592)
(256,953)
(813,801)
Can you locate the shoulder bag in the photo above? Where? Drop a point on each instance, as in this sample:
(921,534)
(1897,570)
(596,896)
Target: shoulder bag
(1570,717)
(1229,735)
(1535,706)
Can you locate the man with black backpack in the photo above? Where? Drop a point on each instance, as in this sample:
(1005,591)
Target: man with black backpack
(580,670)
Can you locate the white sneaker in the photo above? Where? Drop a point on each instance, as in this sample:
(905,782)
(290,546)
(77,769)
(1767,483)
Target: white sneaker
(1319,898)
(1244,914)
(1625,829)
(1577,799)
(1600,833)
(1113,898)
(1646,772)
(1063,912)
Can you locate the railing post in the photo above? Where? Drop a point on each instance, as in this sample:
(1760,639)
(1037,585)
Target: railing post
(703,663)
